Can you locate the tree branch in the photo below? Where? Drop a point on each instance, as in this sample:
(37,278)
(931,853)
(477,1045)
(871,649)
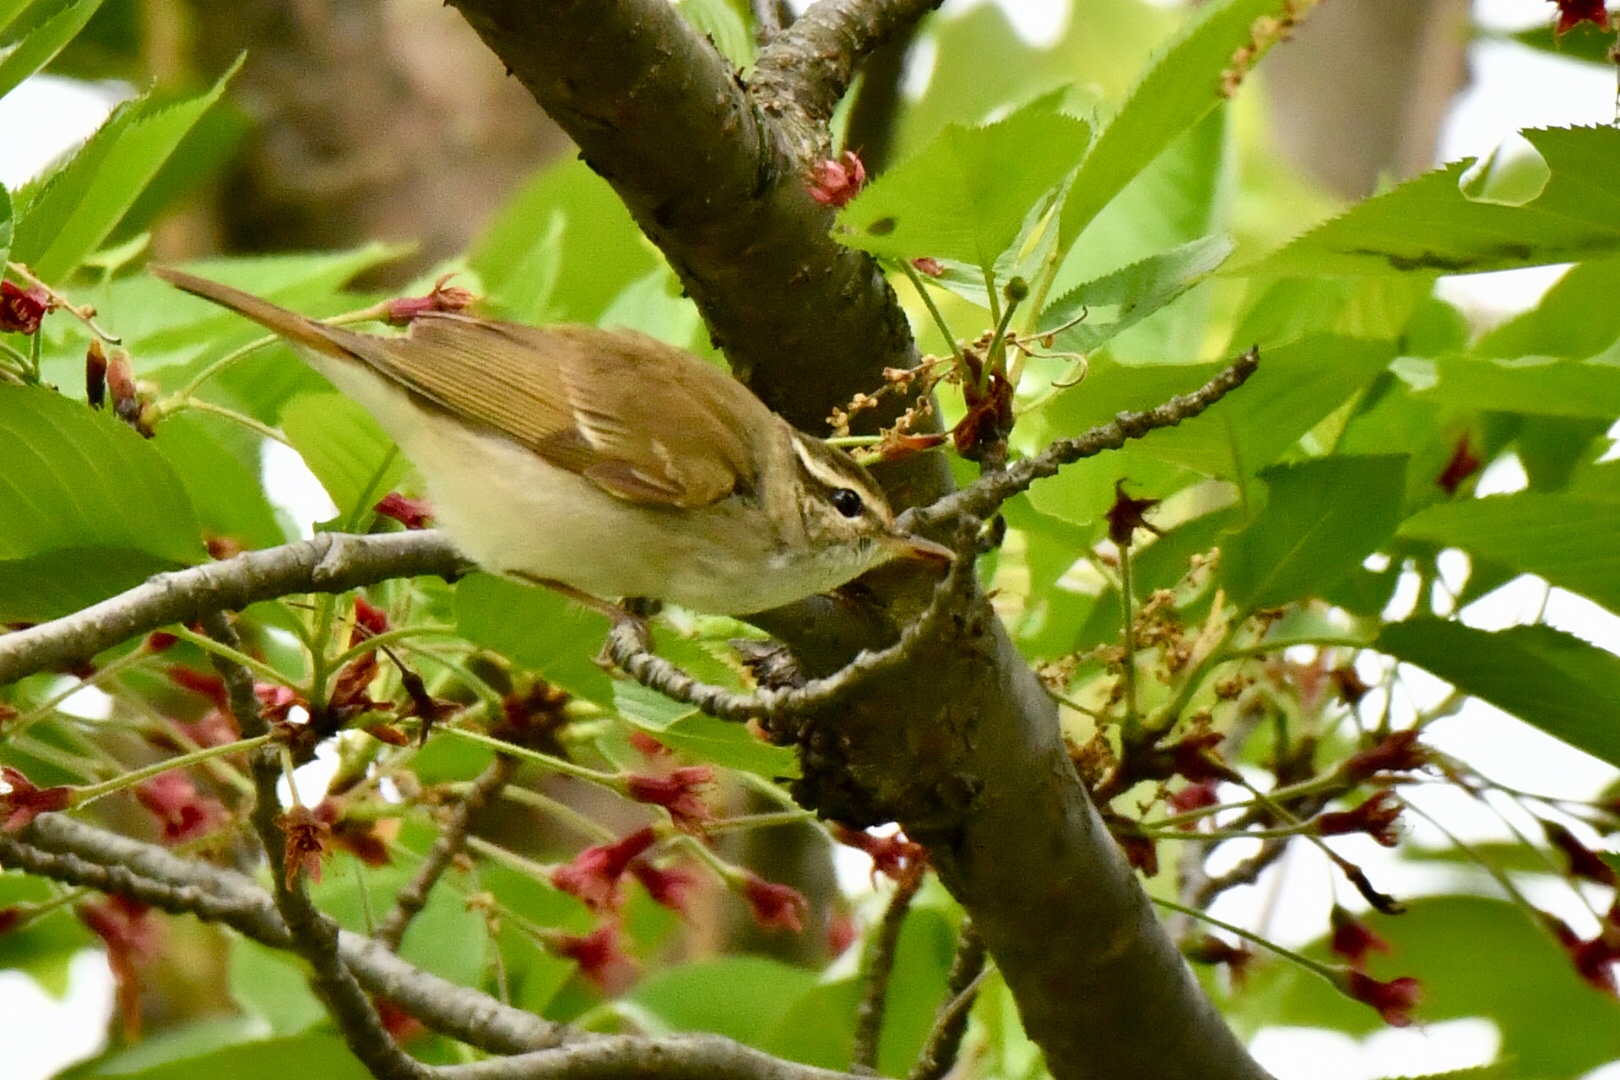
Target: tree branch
(987,493)
(330,563)
(879,971)
(961,990)
(804,73)
(413,897)
(57,847)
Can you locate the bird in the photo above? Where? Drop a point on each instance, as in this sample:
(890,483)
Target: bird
(605,464)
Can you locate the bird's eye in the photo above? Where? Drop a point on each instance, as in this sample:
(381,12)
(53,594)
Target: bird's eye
(847,502)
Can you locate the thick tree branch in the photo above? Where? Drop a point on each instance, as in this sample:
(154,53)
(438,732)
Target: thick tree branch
(804,73)
(331,563)
(719,186)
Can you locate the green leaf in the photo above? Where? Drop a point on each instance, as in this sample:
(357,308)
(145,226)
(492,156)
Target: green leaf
(354,459)
(1181,88)
(77,478)
(5,224)
(274,986)
(1585,41)
(1576,318)
(78,207)
(719,20)
(1549,679)
(965,195)
(218,462)
(1117,301)
(1475,957)
(44,948)
(1322,519)
(600,252)
(683,728)
(740,997)
(9,10)
(1567,539)
(1429,225)
(537,628)
(1295,388)
(191,1057)
(1289,308)
(1538,385)
(819,1027)
(42,42)
(52,584)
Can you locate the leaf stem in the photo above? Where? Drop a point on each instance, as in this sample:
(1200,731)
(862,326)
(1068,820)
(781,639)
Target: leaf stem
(85,795)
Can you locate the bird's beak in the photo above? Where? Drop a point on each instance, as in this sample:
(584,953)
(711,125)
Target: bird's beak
(907,546)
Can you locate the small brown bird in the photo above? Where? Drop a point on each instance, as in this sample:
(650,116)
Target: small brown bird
(604,462)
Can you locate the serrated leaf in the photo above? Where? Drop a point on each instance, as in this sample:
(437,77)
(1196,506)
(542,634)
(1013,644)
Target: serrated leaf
(76,210)
(1117,301)
(9,10)
(1183,86)
(43,41)
(1575,318)
(1567,539)
(76,478)
(348,451)
(965,195)
(218,463)
(536,628)
(1547,678)
(1427,225)
(1322,518)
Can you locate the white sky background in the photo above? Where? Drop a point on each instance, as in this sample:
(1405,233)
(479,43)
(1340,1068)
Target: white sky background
(1513,88)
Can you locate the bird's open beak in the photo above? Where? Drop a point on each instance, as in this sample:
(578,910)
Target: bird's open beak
(908,546)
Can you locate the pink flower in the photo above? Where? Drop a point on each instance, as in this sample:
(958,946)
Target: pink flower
(593,876)
(183,811)
(676,793)
(892,855)
(1376,817)
(443,297)
(411,513)
(1354,939)
(599,957)
(1394,1000)
(671,888)
(835,183)
(25,802)
(774,905)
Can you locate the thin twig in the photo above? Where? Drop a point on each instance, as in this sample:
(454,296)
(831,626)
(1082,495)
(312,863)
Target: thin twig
(314,936)
(413,897)
(987,493)
(961,991)
(879,970)
(628,646)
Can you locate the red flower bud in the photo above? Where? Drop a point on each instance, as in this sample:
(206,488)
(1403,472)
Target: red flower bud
(411,513)
(24,802)
(676,793)
(1394,1000)
(599,957)
(442,297)
(835,183)
(1354,939)
(594,874)
(1376,817)
(774,905)
(21,310)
